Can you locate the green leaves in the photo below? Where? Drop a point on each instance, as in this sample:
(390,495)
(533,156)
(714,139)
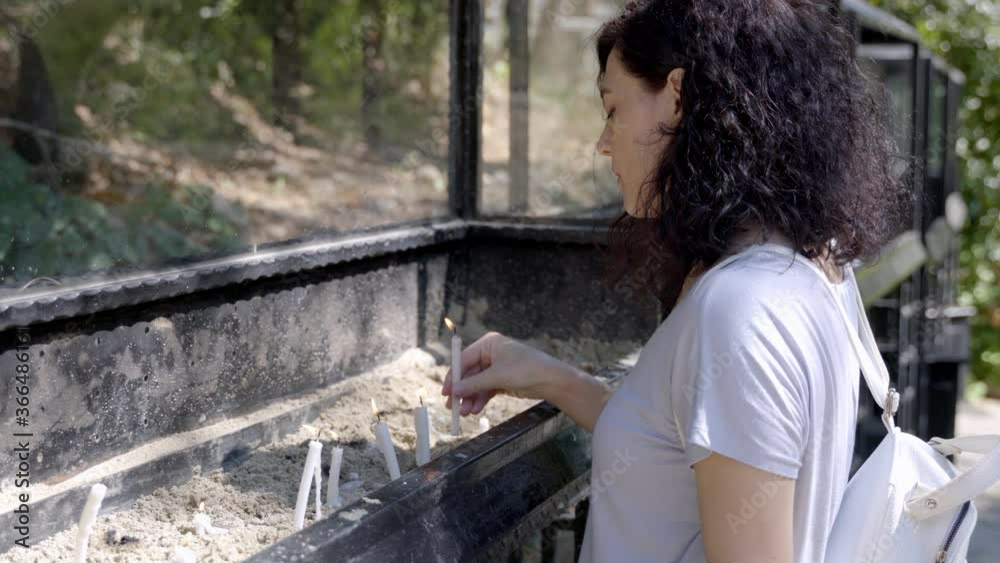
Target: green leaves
(967,34)
(44,232)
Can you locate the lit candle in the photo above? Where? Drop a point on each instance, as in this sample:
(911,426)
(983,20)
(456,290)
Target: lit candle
(333,486)
(384,441)
(456,375)
(87,519)
(312,459)
(423,433)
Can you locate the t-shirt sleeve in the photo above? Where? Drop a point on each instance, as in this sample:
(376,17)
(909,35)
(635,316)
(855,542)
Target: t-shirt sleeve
(740,389)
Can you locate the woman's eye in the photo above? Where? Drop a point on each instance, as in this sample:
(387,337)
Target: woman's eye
(610,114)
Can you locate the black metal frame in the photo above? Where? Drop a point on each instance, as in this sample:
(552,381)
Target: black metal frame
(928,392)
(465,109)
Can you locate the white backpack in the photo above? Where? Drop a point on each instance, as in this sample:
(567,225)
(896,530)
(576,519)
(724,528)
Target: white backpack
(907,503)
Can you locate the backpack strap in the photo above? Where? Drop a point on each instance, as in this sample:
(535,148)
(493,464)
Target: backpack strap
(978,444)
(966,486)
(963,488)
(872,366)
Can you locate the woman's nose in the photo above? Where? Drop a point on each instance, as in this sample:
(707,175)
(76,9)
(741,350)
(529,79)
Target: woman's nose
(603,146)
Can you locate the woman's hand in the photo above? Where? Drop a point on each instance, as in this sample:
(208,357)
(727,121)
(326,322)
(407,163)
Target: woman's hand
(498,364)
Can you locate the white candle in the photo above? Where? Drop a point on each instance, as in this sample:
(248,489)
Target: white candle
(318,477)
(315,448)
(333,486)
(423,427)
(87,519)
(184,555)
(383,439)
(456,375)
(203,526)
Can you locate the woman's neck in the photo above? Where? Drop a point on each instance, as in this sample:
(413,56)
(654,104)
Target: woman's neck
(749,234)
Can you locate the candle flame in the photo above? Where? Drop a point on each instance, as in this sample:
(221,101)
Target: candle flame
(201,506)
(451,325)
(374,408)
(336,437)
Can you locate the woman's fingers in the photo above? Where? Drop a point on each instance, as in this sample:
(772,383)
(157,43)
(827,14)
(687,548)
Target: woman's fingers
(467,405)
(481,401)
(490,379)
(446,387)
(475,358)
(470,403)
(476,361)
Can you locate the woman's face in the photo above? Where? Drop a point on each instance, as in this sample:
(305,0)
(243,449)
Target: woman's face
(631,137)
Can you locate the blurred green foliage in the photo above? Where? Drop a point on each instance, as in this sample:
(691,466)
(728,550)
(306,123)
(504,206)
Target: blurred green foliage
(145,69)
(967,34)
(101,52)
(47,232)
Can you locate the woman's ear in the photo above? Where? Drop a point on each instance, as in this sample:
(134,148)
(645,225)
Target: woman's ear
(674,80)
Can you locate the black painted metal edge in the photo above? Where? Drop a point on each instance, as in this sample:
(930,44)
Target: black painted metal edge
(575,231)
(102,291)
(422,494)
(465,108)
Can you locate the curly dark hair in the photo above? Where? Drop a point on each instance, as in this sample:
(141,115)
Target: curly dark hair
(780,128)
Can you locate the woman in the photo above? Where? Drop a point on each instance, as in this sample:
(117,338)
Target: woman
(739,131)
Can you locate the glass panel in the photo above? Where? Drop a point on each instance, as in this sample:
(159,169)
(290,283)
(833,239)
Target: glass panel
(897,76)
(539,142)
(937,142)
(140,132)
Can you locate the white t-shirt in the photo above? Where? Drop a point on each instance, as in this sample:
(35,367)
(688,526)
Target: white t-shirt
(753,363)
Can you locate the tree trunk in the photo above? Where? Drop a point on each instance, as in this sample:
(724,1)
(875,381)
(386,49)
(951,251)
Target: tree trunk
(373,65)
(36,106)
(287,60)
(520,71)
(544,27)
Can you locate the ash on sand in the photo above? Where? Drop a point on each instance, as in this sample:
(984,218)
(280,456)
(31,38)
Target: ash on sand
(254,502)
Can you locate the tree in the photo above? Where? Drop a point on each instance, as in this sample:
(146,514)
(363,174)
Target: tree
(372,67)
(287,63)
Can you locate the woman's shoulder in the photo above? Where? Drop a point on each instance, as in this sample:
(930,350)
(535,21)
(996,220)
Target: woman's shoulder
(761,276)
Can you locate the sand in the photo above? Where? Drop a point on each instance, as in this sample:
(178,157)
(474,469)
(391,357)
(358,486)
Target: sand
(254,502)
